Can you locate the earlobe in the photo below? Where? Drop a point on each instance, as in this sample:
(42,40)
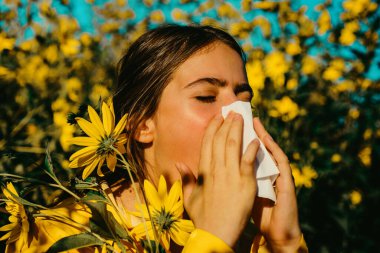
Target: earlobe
(145,131)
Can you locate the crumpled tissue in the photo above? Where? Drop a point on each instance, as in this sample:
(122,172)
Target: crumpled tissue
(266,169)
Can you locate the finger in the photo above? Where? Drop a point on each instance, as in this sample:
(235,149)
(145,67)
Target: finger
(188,181)
(248,159)
(259,129)
(284,181)
(234,143)
(219,144)
(207,143)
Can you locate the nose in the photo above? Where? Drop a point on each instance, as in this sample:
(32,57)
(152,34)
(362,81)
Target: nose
(229,97)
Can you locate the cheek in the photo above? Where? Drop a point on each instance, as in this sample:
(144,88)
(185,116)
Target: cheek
(183,132)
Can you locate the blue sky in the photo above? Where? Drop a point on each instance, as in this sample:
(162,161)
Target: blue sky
(84,13)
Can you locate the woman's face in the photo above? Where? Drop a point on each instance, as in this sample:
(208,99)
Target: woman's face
(209,79)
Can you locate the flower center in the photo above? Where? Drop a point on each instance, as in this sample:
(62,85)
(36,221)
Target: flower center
(106,146)
(164,220)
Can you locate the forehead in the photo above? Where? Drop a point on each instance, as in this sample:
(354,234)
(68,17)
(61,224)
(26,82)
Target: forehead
(216,60)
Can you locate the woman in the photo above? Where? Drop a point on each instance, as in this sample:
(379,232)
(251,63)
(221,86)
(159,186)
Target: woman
(172,82)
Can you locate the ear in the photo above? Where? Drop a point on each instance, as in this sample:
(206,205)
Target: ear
(145,131)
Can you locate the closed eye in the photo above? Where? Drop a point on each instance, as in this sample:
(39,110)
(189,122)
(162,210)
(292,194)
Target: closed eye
(206,99)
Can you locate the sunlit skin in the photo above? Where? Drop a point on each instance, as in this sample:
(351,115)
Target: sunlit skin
(187,137)
(208,80)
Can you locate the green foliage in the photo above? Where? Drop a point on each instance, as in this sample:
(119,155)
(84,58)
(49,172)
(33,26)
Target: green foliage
(75,242)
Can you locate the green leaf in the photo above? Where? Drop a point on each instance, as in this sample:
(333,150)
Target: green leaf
(94,197)
(154,249)
(103,222)
(75,242)
(49,164)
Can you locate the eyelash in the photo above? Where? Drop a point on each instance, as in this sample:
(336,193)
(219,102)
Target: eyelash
(206,99)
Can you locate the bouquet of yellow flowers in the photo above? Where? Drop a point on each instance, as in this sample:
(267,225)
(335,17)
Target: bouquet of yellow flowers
(92,219)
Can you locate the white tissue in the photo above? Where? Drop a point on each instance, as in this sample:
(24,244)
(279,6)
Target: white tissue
(266,169)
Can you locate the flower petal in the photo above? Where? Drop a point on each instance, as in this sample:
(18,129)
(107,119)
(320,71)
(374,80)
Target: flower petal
(89,128)
(82,161)
(111,162)
(10,189)
(185,225)
(121,139)
(177,209)
(8,227)
(90,168)
(6,236)
(165,240)
(152,195)
(95,119)
(110,105)
(84,141)
(121,148)
(139,231)
(162,188)
(108,119)
(99,170)
(84,152)
(120,125)
(140,208)
(174,194)
(180,237)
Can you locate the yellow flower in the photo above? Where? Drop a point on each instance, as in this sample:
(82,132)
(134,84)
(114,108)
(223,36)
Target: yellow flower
(227,10)
(367,134)
(85,39)
(354,113)
(98,91)
(292,84)
(293,48)
(284,108)
(29,45)
(355,8)
(256,75)
(264,25)
(73,88)
(18,229)
(6,74)
(267,5)
(336,158)
(309,65)
(314,145)
(365,156)
(51,53)
(110,27)
(334,71)
(275,67)
(304,176)
(70,47)
(6,43)
(166,214)
(157,16)
(324,22)
(179,15)
(355,197)
(103,138)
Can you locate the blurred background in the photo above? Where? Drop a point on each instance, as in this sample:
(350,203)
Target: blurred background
(314,67)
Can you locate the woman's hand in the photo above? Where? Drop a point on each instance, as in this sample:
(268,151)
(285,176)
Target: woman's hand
(278,222)
(221,199)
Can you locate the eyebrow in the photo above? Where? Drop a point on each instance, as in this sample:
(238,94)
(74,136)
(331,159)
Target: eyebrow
(210,80)
(242,87)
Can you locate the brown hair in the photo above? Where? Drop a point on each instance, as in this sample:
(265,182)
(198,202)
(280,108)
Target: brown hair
(147,67)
